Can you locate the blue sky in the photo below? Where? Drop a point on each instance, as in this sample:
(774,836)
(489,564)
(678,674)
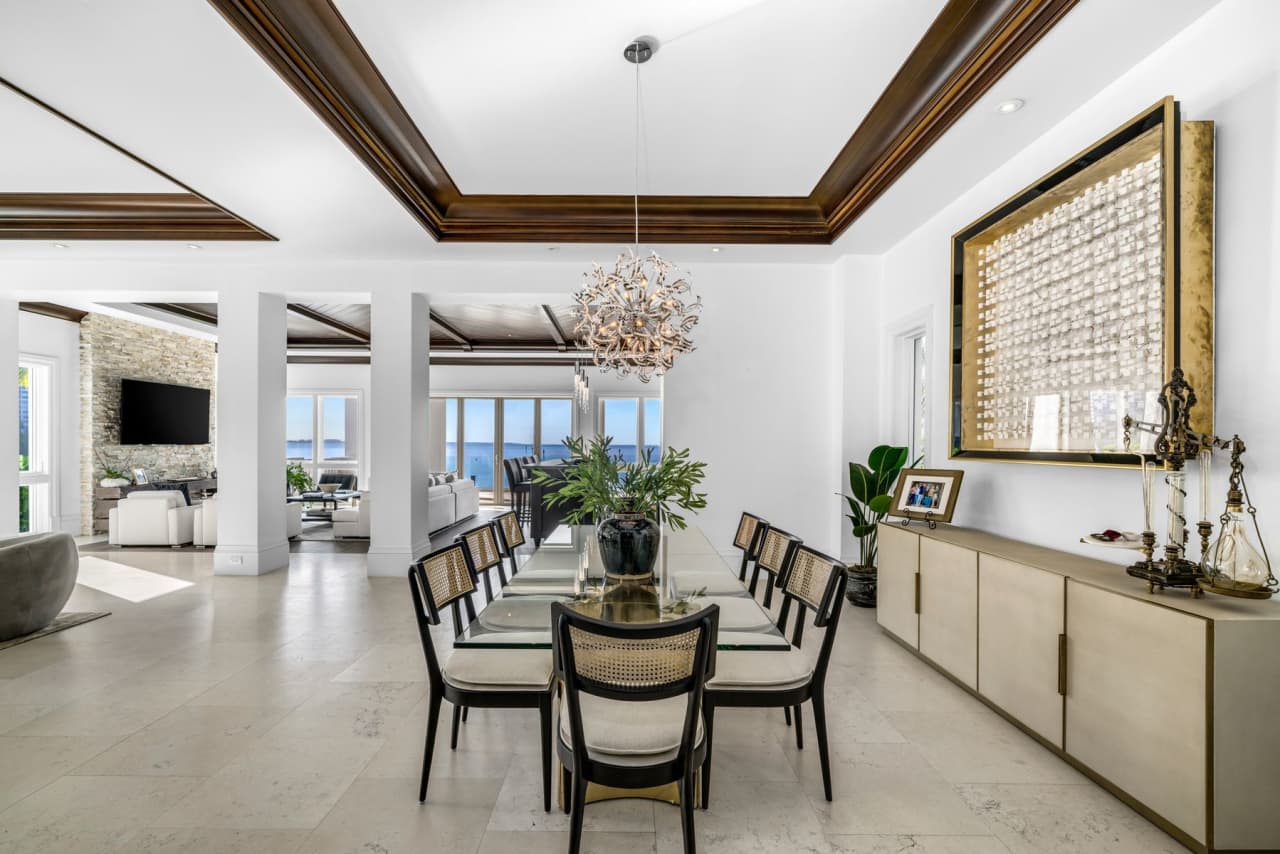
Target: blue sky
(298,418)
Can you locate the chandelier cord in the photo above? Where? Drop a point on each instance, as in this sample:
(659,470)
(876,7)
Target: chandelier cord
(636,196)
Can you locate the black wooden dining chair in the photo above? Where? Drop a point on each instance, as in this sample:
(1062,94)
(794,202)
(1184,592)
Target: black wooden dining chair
(484,678)
(484,555)
(750,532)
(510,537)
(631,714)
(775,549)
(813,582)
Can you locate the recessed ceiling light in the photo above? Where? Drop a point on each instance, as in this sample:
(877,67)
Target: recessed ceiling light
(59,246)
(715,248)
(553,248)
(1010,106)
(194,246)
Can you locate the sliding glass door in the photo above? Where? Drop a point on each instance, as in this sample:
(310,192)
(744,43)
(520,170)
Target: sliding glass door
(479,432)
(35,446)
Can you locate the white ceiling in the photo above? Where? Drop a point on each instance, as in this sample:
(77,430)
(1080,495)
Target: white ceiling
(172,82)
(743,97)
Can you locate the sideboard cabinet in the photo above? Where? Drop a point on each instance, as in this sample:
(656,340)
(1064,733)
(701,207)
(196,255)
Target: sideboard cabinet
(1169,702)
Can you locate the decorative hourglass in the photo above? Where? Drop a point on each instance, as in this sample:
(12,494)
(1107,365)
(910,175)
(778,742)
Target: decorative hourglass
(1237,567)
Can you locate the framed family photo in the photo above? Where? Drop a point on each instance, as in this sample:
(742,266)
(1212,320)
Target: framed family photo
(927,494)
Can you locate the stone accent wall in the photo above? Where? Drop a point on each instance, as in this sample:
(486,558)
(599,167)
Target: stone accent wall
(112,350)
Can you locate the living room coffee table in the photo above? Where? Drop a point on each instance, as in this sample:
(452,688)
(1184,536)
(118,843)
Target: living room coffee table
(328,501)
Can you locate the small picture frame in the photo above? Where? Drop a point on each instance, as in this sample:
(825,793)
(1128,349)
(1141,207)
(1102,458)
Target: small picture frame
(140,477)
(928,494)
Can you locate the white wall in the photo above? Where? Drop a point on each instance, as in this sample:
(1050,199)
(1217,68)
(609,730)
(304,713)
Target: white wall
(1224,68)
(453,380)
(58,341)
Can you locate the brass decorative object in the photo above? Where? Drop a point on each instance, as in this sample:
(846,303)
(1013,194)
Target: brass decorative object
(1233,566)
(1076,298)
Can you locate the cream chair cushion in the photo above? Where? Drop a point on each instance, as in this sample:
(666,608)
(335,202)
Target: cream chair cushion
(499,669)
(623,732)
(764,671)
(711,583)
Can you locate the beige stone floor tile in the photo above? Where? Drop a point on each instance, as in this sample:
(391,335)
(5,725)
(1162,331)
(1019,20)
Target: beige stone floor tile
(14,716)
(120,710)
(213,840)
(909,686)
(885,789)
(388,663)
(519,805)
(384,816)
(353,709)
(401,755)
(747,817)
(1049,819)
(210,662)
(87,815)
(917,845)
(978,746)
(279,784)
(28,764)
(557,842)
(192,741)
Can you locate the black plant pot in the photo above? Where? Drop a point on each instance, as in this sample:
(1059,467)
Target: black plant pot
(862,586)
(629,545)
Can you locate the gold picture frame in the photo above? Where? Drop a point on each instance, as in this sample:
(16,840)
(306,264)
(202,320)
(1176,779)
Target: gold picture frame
(927,494)
(1073,300)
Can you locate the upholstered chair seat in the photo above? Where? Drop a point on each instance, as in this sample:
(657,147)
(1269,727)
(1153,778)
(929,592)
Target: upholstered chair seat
(499,670)
(762,671)
(619,732)
(711,582)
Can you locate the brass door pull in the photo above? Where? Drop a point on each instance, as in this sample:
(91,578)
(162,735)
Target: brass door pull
(1062,664)
(917,593)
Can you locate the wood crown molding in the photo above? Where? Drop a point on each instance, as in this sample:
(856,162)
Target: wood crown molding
(186,215)
(54,310)
(966,49)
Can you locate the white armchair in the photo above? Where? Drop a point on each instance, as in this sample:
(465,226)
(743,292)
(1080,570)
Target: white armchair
(466,496)
(151,518)
(352,521)
(440,507)
(205,529)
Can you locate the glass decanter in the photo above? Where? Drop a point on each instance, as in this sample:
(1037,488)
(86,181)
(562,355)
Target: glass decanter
(1235,557)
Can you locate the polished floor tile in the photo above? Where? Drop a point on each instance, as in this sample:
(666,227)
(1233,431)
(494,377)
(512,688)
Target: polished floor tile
(287,713)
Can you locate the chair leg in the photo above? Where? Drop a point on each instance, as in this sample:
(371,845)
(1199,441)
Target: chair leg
(768,591)
(433,719)
(709,719)
(465,709)
(686,812)
(575,817)
(755,578)
(453,736)
(566,789)
(488,587)
(799,729)
(786,713)
(544,712)
(820,724)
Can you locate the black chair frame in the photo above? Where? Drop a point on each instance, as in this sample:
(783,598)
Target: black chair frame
(751,548)
(480,569)
(427,611)
(826,616)
(505,546)
(773,574)
(579,769)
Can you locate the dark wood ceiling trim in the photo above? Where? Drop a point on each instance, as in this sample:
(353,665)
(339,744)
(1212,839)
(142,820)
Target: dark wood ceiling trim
(183,311)
(311,47)
(328,360)
(325,320)
(311,342)
(556,332)
(51,309)
(514,361)
(451,333)
(117,216)
(970,45)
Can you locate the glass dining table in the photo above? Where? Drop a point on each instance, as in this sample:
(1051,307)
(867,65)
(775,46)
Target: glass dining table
(690,575)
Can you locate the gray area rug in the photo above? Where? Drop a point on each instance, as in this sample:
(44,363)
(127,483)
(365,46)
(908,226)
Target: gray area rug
(65,620)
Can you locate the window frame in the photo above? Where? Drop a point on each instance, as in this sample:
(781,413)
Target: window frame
(42,443)
(641,439)
(317,463)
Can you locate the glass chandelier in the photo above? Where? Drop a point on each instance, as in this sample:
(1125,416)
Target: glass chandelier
(636,318)
(581,388)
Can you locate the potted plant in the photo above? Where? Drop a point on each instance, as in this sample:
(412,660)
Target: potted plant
(627,502)
(871,488)
(297,479)
(113,475)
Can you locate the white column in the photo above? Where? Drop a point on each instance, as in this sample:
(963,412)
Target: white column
(399,421)
(250,433)
(9,417)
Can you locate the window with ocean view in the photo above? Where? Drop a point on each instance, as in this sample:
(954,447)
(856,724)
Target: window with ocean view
(632,422)
(332,416)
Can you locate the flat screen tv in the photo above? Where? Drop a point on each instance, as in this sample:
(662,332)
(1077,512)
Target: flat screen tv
(160,414)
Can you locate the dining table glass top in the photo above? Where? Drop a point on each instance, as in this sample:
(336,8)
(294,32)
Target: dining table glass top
(690,575)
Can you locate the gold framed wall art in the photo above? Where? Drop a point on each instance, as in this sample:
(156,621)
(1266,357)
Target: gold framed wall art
(1073,301)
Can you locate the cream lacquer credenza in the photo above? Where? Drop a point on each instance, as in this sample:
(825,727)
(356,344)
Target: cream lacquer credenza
(1171,703)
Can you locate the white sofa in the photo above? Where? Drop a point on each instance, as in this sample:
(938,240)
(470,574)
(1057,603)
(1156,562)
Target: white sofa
(451,502)
(205,529)
(158,517)
(352,522)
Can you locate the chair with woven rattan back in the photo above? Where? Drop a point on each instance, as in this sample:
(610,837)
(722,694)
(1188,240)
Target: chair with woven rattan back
(750,532)
(812,582)
(510,537)
(631,714)
(772,554)
(482,678)
(484,554)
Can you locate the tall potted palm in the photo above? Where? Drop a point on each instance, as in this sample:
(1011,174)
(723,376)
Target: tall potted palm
(870,499)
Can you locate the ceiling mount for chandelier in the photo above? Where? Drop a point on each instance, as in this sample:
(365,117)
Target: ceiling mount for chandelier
(636,318)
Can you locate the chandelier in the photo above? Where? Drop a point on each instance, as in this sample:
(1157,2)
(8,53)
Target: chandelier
(581,388)
(636,318)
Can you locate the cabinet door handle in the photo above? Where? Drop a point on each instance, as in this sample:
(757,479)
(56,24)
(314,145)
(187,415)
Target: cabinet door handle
(1062,665)
(917,593)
